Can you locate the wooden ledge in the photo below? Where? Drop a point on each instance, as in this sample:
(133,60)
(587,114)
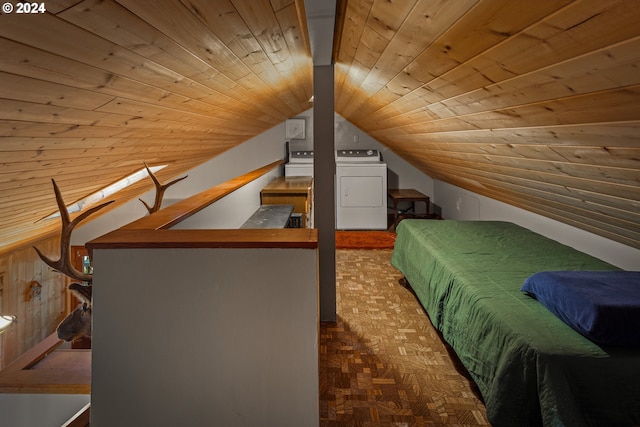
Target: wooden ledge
(153,231)
(43,369)
(303,238)
(172,215)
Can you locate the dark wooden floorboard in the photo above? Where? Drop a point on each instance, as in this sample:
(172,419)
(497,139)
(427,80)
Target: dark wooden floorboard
(382,363)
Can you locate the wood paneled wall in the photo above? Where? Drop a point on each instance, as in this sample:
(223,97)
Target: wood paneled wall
(37,313)
(536,104)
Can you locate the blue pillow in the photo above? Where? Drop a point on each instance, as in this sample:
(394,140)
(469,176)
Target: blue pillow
(604,306)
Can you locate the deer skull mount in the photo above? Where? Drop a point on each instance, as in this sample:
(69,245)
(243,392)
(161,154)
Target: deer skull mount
(160,189)
(78,322)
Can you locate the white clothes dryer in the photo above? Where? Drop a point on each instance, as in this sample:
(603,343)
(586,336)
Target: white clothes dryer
(361,190)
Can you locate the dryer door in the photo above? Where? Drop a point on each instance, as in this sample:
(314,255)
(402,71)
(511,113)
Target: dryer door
(361,196)
(361,191)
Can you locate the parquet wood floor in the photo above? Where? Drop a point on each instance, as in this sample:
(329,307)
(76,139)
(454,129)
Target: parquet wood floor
(382,363)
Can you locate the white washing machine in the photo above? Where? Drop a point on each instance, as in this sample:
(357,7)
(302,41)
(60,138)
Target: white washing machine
(300,164)
(361,190)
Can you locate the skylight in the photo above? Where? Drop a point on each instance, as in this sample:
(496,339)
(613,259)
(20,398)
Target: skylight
(108,191)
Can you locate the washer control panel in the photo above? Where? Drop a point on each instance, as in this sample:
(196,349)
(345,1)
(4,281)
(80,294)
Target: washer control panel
(301,156)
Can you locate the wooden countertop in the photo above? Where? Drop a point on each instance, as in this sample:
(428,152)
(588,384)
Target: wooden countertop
(289,184)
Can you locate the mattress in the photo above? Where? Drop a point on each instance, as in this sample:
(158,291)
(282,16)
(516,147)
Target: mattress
(531,368)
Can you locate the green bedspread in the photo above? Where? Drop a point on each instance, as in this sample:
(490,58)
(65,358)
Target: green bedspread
(531,368)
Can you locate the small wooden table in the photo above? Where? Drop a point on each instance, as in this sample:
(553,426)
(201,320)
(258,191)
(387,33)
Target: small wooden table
(407,195)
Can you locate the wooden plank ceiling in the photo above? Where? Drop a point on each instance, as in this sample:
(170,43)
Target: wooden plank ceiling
(534,103)
(92,89)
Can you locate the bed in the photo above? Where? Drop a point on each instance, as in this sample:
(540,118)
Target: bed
(531,368)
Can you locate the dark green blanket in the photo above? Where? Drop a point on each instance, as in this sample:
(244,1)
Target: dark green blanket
(531,368)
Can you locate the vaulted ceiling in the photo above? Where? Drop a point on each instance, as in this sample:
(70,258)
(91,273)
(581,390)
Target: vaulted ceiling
(533,103)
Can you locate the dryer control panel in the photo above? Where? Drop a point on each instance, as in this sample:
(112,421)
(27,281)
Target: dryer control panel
(363,155)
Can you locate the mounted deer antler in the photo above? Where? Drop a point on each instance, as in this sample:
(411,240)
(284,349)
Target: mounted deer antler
(63,264)
(78,323)
(160,189)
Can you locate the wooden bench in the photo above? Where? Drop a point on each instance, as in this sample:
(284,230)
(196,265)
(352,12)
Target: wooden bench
(399,195)
(269,216)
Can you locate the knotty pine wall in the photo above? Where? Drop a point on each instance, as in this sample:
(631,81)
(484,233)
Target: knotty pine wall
(37,315)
